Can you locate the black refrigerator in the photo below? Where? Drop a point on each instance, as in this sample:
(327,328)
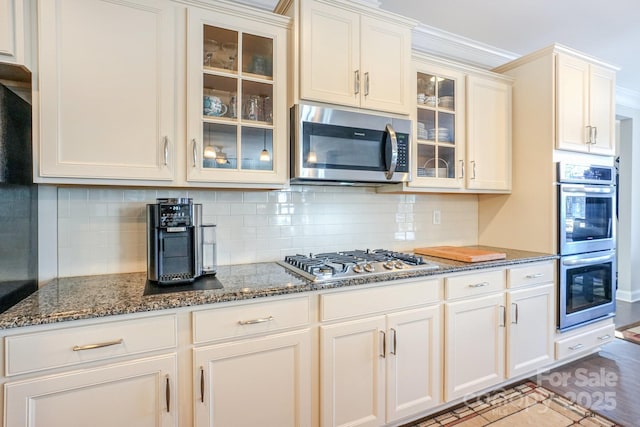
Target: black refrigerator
(18,202)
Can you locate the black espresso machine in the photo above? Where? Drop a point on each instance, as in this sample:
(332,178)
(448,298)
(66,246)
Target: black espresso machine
(179,247)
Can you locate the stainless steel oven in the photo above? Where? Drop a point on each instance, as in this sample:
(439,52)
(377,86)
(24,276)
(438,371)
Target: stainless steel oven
(587,243)
(587,288)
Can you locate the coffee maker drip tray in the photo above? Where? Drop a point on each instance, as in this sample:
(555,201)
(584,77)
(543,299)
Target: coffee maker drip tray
(202,283)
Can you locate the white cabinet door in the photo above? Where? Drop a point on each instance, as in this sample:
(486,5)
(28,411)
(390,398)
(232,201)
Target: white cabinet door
(264,381)
(141,393)
(474,345)
(488,134)
(107,89)
(602,107)
(384,65)
(330,54)
(532,320)
(414,375)
(14,33)
(352,367)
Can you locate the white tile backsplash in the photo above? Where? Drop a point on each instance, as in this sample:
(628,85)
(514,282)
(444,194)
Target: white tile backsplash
(103,230)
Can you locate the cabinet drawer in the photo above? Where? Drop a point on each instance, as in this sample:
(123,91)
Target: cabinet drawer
(340,305)
(249,319)
(479,283)
(585,341)
(71,346)
(531,274)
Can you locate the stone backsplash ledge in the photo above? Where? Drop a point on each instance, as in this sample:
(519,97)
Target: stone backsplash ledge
(103,230)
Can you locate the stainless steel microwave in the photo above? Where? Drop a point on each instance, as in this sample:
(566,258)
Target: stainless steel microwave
(333,145)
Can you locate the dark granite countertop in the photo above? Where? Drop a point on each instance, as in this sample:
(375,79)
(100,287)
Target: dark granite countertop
(86,297)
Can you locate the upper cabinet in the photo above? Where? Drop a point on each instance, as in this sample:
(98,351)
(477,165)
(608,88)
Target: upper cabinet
(578,88)
(15,37)
(236,98)
(349,55)
(586,106)
(462,134)
(106,89)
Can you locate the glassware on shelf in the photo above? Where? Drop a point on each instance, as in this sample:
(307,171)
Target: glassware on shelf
(211,47)
(229,55)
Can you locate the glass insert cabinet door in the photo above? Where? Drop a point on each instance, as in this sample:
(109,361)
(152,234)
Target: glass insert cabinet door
(234,101)
(436,126)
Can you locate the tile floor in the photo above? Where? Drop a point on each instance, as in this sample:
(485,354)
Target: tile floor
(525,404)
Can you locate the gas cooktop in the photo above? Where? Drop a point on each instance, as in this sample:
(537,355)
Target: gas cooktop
(340,265)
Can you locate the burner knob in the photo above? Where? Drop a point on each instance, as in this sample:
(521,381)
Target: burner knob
(399,264)
(369,268)
(389,265)
(358,268)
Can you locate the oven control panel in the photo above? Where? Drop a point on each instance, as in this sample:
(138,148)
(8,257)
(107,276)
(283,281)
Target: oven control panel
(586,174)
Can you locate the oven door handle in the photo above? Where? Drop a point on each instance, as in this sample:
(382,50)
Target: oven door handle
(585,189)
(394,151)
(584,261)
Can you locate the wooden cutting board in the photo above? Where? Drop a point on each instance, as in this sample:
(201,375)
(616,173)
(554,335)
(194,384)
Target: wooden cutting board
(460,254)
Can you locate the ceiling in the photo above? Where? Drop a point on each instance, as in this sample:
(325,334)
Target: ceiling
(606,30)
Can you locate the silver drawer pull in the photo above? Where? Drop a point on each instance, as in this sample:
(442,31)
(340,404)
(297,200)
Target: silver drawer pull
(479,285)
(576,347)
(604,337)
(254,321)
(534,276)
(97,345)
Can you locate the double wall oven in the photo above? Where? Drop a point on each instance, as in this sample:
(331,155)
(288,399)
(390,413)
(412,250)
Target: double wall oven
(587,243)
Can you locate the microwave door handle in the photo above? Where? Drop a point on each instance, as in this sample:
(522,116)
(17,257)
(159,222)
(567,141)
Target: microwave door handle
(394,151)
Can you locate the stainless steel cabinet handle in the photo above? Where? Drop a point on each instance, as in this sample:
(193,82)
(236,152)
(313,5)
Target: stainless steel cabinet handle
(515,321)
(254,321)
(479,285)
(356,82)
(395,342)
(473,169)
(576,347)
(194,151)
(201,384)
(166,151)
(589,134)
(167,392)
(534,276)
(503,321)
(604,337)
(594,140)
(97,345)
(366,83)
(384,344)
(461,169)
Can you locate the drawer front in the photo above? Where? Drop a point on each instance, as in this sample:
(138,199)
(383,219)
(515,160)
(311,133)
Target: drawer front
(531,274)
(479,283)
(249,319)
(345,304)
(583,342)
(103,341)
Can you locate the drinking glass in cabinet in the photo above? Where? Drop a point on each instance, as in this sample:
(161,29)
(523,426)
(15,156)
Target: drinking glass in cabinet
(257,102)
(220,47)
(211,48)
(229,55)
(219,146)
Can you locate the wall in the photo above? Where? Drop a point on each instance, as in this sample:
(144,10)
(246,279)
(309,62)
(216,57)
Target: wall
(102,230)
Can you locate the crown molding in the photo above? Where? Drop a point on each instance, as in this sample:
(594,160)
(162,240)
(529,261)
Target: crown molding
(628,98)
(437,42)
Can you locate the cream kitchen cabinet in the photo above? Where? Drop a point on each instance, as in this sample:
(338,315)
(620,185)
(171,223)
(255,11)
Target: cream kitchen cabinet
(106,90)
(378,369)
(585,106)
(87,375)
(350,55)
(488,133)
(15,38)
(258,369)
(236,96)
(532,317)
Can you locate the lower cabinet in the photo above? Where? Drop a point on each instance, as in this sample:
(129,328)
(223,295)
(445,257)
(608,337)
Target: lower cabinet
(380,369)
(474,344)
(264,381)
(142,392)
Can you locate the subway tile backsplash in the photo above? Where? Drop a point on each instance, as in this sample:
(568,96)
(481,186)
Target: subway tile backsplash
(103,230)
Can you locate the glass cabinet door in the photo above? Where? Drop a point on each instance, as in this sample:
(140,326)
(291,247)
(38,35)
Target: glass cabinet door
(234,100)
(436,121)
